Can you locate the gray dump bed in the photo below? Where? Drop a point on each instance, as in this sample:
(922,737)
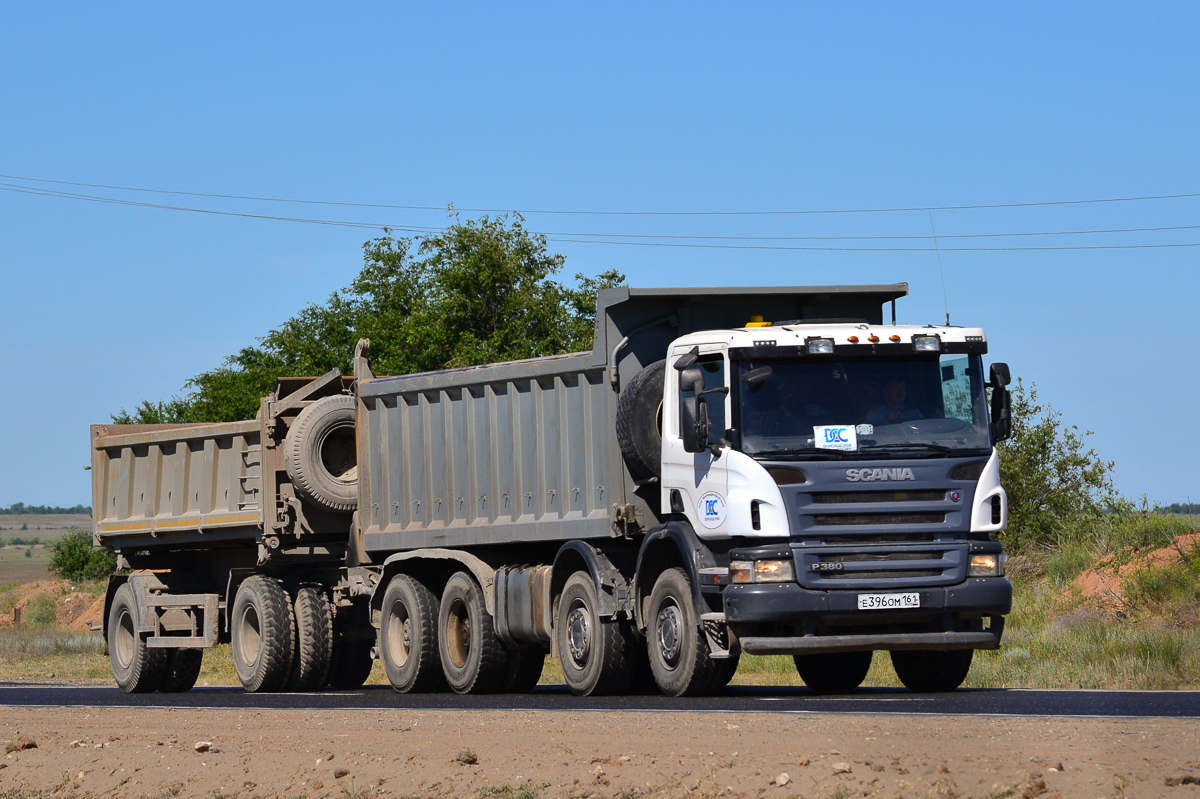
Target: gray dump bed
(157,484)
(525,451)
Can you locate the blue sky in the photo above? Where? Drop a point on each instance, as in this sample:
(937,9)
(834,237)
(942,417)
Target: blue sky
(581,107)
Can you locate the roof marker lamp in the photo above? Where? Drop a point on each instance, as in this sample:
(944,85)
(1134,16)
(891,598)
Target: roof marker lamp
(819,346)
(927,344)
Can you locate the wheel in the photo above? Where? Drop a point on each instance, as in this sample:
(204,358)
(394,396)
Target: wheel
(594,654)
(679,653)
(473,659)
(930,671)
(524,669)
(261,632)
(408,640)
(183,667)
(137,668)
(351,663)
(833,672)
(314,639)
(639,420)
(321,454)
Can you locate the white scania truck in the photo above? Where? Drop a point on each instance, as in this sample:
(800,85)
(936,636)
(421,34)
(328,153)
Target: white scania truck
(761,470)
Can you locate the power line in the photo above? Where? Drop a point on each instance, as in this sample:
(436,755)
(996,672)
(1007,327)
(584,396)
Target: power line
(576,212)
(623,239)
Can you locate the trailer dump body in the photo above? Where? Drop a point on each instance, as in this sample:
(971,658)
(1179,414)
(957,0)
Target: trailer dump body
(177,484)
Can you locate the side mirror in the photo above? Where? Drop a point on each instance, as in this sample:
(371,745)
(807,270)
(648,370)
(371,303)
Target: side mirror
(693,424)
(999,375)
(1001,413)
(691,379)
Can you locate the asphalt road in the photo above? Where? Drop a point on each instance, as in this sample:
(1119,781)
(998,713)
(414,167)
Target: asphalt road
(979,702)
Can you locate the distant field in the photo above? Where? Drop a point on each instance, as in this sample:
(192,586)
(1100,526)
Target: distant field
(16,566)
(38,526)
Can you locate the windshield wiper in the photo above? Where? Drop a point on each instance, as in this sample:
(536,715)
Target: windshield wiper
(802,454)
(920,447)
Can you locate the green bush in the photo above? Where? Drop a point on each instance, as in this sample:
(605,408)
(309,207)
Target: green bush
(73,557)
(41,612)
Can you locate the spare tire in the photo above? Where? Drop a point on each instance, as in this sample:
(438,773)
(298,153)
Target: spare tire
(639,421)
(321,454)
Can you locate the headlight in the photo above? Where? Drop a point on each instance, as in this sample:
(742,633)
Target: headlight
(927,343)
(762,571)
(984,566)
(819,346)
(774,571)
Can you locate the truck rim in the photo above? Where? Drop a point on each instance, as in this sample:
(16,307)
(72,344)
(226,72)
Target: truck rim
(669,625)
(579,639)
(339,454)
(126,639)
(249,635)
(458,633)
(399,634)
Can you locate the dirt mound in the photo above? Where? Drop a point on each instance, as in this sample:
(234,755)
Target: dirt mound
(72,609)
(1103,585)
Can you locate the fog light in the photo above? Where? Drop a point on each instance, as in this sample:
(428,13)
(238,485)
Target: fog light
(984,566)
(774,571)
(820,346)
(741,571)
(927,344)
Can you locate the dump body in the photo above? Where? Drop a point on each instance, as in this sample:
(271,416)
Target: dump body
(177,485)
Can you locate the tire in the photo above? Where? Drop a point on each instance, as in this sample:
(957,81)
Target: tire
(595,655)
(137,668)
(679,654)
(351,663)
(183,667)
(473,659)
(525,664)
(408,639)
(930,671)
(314,639)
(321,455)
(834,672)
(639,421)
(262,633)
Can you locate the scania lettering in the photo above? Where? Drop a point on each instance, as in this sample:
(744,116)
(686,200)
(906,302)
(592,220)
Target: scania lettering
(727,470)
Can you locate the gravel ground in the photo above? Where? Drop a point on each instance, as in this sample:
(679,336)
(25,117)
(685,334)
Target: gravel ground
(477,754)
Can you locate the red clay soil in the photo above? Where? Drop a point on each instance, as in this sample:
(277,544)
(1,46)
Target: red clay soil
(72,609)
(1103,584)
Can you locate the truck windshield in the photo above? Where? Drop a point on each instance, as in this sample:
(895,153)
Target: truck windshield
(915,405)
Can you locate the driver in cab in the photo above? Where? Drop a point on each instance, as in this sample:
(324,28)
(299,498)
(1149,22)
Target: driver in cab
(894,408)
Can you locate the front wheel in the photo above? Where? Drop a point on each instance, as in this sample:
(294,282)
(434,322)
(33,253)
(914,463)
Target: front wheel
(594,654)
(679,653)
(834,672)
(931,671)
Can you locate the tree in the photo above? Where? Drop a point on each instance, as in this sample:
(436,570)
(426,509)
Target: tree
(1053,480)
(478,292)
(73,557)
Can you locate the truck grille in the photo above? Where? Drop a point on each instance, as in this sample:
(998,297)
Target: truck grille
(860,497)
(905,565)
(862,519)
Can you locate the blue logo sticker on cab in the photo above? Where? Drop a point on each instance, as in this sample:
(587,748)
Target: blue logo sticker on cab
(711,510)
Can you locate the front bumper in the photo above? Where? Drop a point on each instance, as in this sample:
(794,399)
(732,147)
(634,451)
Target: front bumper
(748,607)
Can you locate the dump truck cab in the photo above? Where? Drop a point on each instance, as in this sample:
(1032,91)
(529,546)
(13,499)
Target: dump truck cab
(843,478)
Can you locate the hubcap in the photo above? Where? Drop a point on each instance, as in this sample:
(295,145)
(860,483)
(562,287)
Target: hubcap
(249,636)
(669,626)
(579,638)
(458,633)
(126,639)
(399,634)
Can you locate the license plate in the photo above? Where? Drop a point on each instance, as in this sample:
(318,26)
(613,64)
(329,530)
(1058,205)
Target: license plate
(888,601)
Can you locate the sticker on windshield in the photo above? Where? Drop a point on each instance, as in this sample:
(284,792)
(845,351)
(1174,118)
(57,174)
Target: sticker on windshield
(711,510)
(836,436)
(865,429)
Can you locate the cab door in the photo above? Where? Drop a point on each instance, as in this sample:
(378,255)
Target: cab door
(700,478)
